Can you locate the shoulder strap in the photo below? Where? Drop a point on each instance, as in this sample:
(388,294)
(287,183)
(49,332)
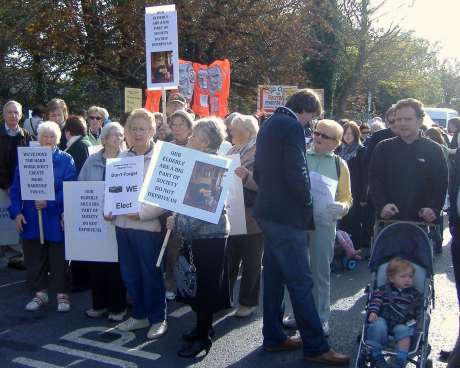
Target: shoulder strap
(337,165)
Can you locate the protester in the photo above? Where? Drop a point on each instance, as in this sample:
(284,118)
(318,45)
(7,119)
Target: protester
(57,112)
(284,212)
(31,124)
(181,124)
(322,160)
(108,290)
(365,131)
(207,243)
(383,134)
(246,249)
(413,186)
(377,126)
(435,134)
(12,136)
(164,132)
(96,117)
(175,103)
(353,152)
(139,242)
(77,140)
(41,259)
(228,121)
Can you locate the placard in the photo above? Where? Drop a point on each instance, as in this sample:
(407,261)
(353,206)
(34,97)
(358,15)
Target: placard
(88,237)
(187,181)
(269,98)
(8,233)
(94,149)
(235,202)
(133,99)
(161,47)
(36,173)
(123,180)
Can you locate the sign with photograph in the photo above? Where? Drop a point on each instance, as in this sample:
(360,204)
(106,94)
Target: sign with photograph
(36,173)
(133,99)
(161,47)
(187,181)
(8,233)
(88,237)
(123,180)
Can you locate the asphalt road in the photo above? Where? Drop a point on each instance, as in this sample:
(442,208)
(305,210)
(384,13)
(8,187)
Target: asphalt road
(47,339)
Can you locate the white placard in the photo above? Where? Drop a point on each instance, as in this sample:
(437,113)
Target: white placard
(187,181)
(34,144)
(235,202)
(8,233)
(36,173)
(323,191)
(123,180)
(88,237)
(161,47)
(94,149)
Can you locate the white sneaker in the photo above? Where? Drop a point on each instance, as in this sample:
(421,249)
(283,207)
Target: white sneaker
(170,295)
(132,324)
(38,301)
(325,328)
(157,330)
(244,311)
(117,317)
(63,303)
(95,313)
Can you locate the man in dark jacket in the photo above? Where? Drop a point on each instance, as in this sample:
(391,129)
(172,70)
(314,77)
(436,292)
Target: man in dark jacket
(12,136)
(284,212)
(408,173)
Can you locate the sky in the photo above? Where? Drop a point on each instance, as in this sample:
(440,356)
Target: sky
(435,20)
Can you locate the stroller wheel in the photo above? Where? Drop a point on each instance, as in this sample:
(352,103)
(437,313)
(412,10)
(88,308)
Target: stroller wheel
(349,264)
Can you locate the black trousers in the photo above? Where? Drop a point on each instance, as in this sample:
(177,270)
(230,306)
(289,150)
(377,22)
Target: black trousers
(212,281)
(108,290)
(43,259)
(455,249)
(246,250)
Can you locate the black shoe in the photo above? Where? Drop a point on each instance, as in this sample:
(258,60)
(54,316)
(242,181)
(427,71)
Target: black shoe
(18,265)
(193,335)
(194,348)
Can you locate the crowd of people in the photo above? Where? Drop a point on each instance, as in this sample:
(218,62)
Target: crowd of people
(396,169)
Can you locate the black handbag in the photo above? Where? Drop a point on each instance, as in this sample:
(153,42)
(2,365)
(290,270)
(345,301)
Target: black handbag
(185,273)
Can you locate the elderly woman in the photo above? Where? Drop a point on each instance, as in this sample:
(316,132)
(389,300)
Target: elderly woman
(207,242)
(163,129)
(139,242)
(77,140)
(353,152)
(108,290)
(57,112)
(181,123)
(246,249)
(95,119)
(322,160)
(49,258)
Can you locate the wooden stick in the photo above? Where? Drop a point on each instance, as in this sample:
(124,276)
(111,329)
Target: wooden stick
(163,104)
(163,247)
(40,226)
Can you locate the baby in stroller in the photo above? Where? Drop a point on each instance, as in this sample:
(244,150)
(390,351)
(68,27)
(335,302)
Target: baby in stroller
(394,308)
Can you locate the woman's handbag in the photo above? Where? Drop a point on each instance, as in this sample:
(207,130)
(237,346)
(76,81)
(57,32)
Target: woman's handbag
(185,273)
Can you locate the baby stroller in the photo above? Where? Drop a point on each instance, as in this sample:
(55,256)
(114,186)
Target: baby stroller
(409,241)
(345,254)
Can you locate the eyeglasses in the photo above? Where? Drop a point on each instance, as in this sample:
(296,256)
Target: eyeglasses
(94,118)
(322,135)
(391,121)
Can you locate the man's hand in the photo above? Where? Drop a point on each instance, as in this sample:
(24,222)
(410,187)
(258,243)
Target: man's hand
(39,205)
(133,216)
(427,214)
(373,317)
(20,220)
(108,217)
(242,172)
(171,222)
(389,211)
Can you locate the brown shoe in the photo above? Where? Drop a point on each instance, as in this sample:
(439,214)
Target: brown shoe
(329,357)
(291,343)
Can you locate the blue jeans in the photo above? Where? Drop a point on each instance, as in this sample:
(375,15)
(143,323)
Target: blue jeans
(285,264)
(138,251)
(377,333)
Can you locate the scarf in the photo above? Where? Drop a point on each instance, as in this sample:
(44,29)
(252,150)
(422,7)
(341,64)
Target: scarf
(349,151)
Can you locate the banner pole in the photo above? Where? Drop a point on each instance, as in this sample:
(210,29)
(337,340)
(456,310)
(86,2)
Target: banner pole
(163,247)
(40,226)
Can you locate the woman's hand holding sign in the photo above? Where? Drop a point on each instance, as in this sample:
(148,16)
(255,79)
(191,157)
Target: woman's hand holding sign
(20,220)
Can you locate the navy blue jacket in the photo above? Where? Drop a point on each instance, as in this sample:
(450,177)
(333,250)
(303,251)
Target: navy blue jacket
(281,172)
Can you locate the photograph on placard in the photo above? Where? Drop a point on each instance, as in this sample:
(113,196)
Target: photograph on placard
(205,186)
(162,67)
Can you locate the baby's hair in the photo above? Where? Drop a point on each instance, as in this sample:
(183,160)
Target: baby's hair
(398,264)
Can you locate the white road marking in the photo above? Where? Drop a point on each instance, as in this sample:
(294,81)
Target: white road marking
(179,313)
(36,363)
(12,284)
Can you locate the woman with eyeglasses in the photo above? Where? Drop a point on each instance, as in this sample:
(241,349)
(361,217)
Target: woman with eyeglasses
(96,117)
(322,160)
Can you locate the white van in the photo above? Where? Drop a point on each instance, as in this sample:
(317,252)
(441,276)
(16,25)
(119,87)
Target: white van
(441,115)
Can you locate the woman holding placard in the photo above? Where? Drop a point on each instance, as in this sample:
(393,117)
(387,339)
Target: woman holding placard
(246,249)
(108,290)
(207,243)
(139,242)
(41,259)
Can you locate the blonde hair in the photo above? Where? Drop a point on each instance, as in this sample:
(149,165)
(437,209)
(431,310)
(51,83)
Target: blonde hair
(398,264)
(142,114)
(49,127)
(247,122)
(58,104)
(213,129)
(334,127)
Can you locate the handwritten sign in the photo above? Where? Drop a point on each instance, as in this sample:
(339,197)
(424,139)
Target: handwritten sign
(133,99)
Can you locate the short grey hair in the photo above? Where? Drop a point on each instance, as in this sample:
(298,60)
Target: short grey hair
(11,102)
(99,110)
(185,116)
(49,127)
(213,129)
(108,128)
(247,122)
